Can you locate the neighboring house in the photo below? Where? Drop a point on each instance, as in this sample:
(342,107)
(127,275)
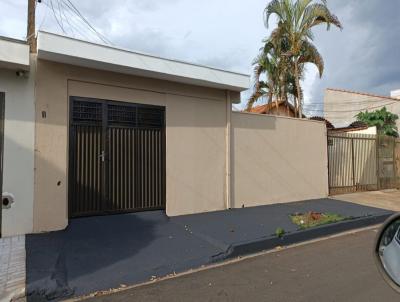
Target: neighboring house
(284,109)
(328,124)
(341,106)
(17,74)
(355,128)
(95,130)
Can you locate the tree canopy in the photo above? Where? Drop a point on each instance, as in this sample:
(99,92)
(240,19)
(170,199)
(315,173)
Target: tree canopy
(384,120)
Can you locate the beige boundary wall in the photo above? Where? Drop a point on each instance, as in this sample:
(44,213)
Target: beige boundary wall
(277,159)
(195,137)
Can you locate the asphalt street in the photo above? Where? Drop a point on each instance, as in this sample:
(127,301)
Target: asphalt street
(336,269)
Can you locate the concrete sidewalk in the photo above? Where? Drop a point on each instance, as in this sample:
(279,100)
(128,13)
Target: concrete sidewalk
(12,268)
(99,253)
(386,199)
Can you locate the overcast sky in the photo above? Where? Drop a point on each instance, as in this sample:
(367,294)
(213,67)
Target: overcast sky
(365,56)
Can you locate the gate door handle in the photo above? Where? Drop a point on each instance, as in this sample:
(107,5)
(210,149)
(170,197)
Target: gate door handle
(102,156)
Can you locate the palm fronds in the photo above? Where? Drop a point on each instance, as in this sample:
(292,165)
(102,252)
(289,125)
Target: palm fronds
(289,47)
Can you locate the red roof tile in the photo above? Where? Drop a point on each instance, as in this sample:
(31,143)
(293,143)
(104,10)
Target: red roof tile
(263,109)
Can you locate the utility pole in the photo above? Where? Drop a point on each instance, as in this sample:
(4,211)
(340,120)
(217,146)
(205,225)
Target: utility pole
(31,30)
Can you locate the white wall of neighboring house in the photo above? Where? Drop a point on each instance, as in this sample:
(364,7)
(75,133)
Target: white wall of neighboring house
(341,106)
(369,130)
(14,54)
(18,149)
(395,94)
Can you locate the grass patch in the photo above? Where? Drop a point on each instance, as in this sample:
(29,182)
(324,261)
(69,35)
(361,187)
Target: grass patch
(313,219)
(280,232)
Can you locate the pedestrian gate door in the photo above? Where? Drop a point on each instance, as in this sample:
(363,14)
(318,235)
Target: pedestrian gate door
(361,162)
(116,157)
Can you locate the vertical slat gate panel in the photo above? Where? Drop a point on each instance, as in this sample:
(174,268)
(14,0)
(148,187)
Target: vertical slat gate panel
(147,167)
(110,156)
(352,162)
(84,162)
(142,164)
(118,170)
(152,159)
(113,168)
(85,188)
(142,168)
(136,180)
(116,157)
(125,175)
(80,169)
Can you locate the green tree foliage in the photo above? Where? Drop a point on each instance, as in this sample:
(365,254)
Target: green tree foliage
(289,48)
(384,120)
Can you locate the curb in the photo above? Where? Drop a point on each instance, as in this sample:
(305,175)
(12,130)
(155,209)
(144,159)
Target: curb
(267,243)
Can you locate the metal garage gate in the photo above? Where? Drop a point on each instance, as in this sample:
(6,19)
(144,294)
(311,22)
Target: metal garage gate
(116,157)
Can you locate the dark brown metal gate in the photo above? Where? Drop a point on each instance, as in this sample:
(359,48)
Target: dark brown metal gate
(116,157)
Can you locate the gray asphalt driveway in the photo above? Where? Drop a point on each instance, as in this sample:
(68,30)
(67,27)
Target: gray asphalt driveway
(105,252)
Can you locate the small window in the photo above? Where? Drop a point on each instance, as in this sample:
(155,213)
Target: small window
(87,112)
(122,115)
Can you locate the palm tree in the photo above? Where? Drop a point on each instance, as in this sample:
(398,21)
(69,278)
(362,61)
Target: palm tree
(295,22)
(264,63)
(277,70)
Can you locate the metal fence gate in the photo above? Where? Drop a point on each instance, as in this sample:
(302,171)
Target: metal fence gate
(116,157)
(359,162)
(387,168)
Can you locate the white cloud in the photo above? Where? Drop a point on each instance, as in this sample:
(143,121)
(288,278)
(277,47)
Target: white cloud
(228,34)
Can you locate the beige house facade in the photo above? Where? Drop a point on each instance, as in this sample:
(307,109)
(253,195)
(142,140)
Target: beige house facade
(109,126)
(195,129)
